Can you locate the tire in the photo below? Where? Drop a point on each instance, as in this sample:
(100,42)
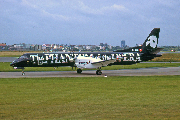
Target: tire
(79,70)
(98,72)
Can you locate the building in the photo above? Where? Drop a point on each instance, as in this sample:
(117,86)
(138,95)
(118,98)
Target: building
(123,43)
(37,47)
(2,46)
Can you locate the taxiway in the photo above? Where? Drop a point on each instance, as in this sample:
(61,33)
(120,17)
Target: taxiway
(91,73)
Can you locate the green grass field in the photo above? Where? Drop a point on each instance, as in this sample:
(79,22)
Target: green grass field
(168,57)
(153,97)
(5,67)
(14,53)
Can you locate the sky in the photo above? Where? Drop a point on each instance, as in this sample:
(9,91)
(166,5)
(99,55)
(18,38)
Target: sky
(89,22)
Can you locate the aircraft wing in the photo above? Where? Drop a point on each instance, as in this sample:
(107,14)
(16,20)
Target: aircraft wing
(105,62)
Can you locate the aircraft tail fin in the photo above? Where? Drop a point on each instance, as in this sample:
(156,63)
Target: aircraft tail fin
(149,47)
(150,44)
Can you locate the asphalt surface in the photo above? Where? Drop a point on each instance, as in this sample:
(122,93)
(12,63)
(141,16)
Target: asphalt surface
(91,73)
(7,59)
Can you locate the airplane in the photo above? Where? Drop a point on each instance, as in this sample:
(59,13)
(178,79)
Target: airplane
(147,51)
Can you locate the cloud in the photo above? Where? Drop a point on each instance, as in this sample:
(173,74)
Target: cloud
(87,19)
(55,16)
(101,10)
(26,3)
(81,7)
(116,7)
(71,10)
(43,9)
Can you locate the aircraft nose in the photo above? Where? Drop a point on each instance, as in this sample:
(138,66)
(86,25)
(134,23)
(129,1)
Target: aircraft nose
(12,64)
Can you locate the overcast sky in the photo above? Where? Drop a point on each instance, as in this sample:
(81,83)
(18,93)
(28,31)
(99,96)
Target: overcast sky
(88,21)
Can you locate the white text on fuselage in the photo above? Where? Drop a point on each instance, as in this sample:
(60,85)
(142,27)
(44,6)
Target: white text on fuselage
(45,58)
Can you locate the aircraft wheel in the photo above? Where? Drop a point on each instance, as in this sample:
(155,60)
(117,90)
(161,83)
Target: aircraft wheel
(79,70)
(98,72)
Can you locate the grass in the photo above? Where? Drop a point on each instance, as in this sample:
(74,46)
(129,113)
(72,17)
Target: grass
(14,53)
(5,67)
(168,57)
(153,97)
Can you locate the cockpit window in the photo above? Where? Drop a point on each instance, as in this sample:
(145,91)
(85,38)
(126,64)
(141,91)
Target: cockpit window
(22,57)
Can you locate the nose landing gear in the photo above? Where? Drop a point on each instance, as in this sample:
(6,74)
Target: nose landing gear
(20,68)
(23,72)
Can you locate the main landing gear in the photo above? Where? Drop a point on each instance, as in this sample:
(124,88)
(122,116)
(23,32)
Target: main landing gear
(79,70)
(98,72)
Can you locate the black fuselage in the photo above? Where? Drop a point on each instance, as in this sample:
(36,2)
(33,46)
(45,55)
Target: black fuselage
(67,58)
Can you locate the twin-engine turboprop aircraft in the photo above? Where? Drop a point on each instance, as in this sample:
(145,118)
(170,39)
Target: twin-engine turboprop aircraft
(91,60)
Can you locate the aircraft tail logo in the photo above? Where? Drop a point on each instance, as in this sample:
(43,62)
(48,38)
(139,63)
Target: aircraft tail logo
(151,42)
